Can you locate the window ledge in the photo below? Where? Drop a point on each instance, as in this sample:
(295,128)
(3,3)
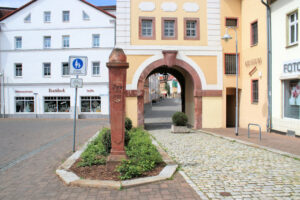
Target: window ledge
(253,45)
(94,75)
(254,103)
(18,76)
(291,45)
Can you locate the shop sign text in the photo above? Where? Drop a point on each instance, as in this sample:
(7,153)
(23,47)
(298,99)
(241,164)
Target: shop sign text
(57,90)
(291,67)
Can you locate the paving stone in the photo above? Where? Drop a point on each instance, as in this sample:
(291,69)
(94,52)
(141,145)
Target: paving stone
(215,164)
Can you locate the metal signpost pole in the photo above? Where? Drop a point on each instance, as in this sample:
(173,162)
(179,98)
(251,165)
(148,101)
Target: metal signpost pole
(78,65)
(74,124)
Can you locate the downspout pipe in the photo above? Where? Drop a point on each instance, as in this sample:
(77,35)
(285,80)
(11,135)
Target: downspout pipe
(269,120)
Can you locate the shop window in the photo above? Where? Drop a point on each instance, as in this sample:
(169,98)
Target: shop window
(254,91)
(66,16)
(96,40)
(91,104)
(47,16)
(293,28)
(96,68)
(254,33)
(147,28)
(24,104)
(230,63)
(18,42)
(65,69)
(169,27)
(292,99)
(56,104)
(18,70)
(231,22)
(191,29)
(47,69)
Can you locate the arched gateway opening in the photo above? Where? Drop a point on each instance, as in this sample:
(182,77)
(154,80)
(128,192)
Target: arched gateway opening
(191,95)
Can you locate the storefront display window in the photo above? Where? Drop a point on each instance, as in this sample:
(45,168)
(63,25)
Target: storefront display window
(24,104)
(57,104)
(292,99)
(91,104)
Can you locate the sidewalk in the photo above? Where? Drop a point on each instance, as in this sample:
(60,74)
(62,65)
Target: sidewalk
(276,141)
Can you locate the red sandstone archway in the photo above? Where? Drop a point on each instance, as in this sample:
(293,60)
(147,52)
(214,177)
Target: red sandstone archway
(171,61)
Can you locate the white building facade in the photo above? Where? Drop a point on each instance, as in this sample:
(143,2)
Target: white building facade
(285,66)
(35,44)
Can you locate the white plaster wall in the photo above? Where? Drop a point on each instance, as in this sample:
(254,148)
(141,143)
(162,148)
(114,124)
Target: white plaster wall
(32,55)
(281,54)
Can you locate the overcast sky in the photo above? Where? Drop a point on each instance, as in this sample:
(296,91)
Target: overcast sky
(18,3)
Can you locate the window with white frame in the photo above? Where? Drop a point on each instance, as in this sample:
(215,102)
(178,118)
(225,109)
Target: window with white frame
(27,19)
(47,69)
(147,25)
(96,40)
(47,16)
(91,104)
(47,42)
(18,70)
(85,16)
(191,28)
(24,104)
(65,69)
(66,41)
(293,28)
(96,69)
(169,28)
(66,16)
(18,42)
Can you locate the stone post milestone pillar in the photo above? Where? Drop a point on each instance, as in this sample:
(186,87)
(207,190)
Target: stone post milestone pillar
(117,66)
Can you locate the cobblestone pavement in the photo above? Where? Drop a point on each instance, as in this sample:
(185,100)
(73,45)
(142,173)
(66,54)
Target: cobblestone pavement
(40,146)
(218,165)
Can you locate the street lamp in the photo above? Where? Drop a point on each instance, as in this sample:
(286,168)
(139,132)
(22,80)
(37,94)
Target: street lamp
(227,37)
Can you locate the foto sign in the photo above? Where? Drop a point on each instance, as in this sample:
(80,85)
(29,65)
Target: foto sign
(78,65)
(76,83)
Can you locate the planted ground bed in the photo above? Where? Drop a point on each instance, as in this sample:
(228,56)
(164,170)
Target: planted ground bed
(143,157)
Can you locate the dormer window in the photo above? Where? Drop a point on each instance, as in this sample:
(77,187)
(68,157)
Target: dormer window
(85,16)
(27,19)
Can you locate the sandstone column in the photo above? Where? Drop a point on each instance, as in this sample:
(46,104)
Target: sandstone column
(117,66)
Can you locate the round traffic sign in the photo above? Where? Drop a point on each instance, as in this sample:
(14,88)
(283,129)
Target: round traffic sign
(77,63)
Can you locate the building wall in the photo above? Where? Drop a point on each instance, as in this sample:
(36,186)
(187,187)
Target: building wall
(174,9)
(282,54)
(254,63)
(32,55)
(251,58)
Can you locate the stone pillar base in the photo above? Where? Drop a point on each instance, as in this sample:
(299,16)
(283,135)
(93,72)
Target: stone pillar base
(114,160)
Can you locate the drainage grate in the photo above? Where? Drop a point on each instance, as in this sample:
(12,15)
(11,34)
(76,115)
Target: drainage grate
(225,194)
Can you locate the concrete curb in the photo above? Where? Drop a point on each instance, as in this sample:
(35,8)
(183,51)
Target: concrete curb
(69,178)
(252,144)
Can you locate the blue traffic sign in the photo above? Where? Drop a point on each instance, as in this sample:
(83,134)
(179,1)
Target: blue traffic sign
(77,63)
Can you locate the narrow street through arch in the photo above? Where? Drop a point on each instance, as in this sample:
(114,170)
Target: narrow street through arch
(159,115)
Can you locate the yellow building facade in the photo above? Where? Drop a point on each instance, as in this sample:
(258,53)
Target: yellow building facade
(183,38)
